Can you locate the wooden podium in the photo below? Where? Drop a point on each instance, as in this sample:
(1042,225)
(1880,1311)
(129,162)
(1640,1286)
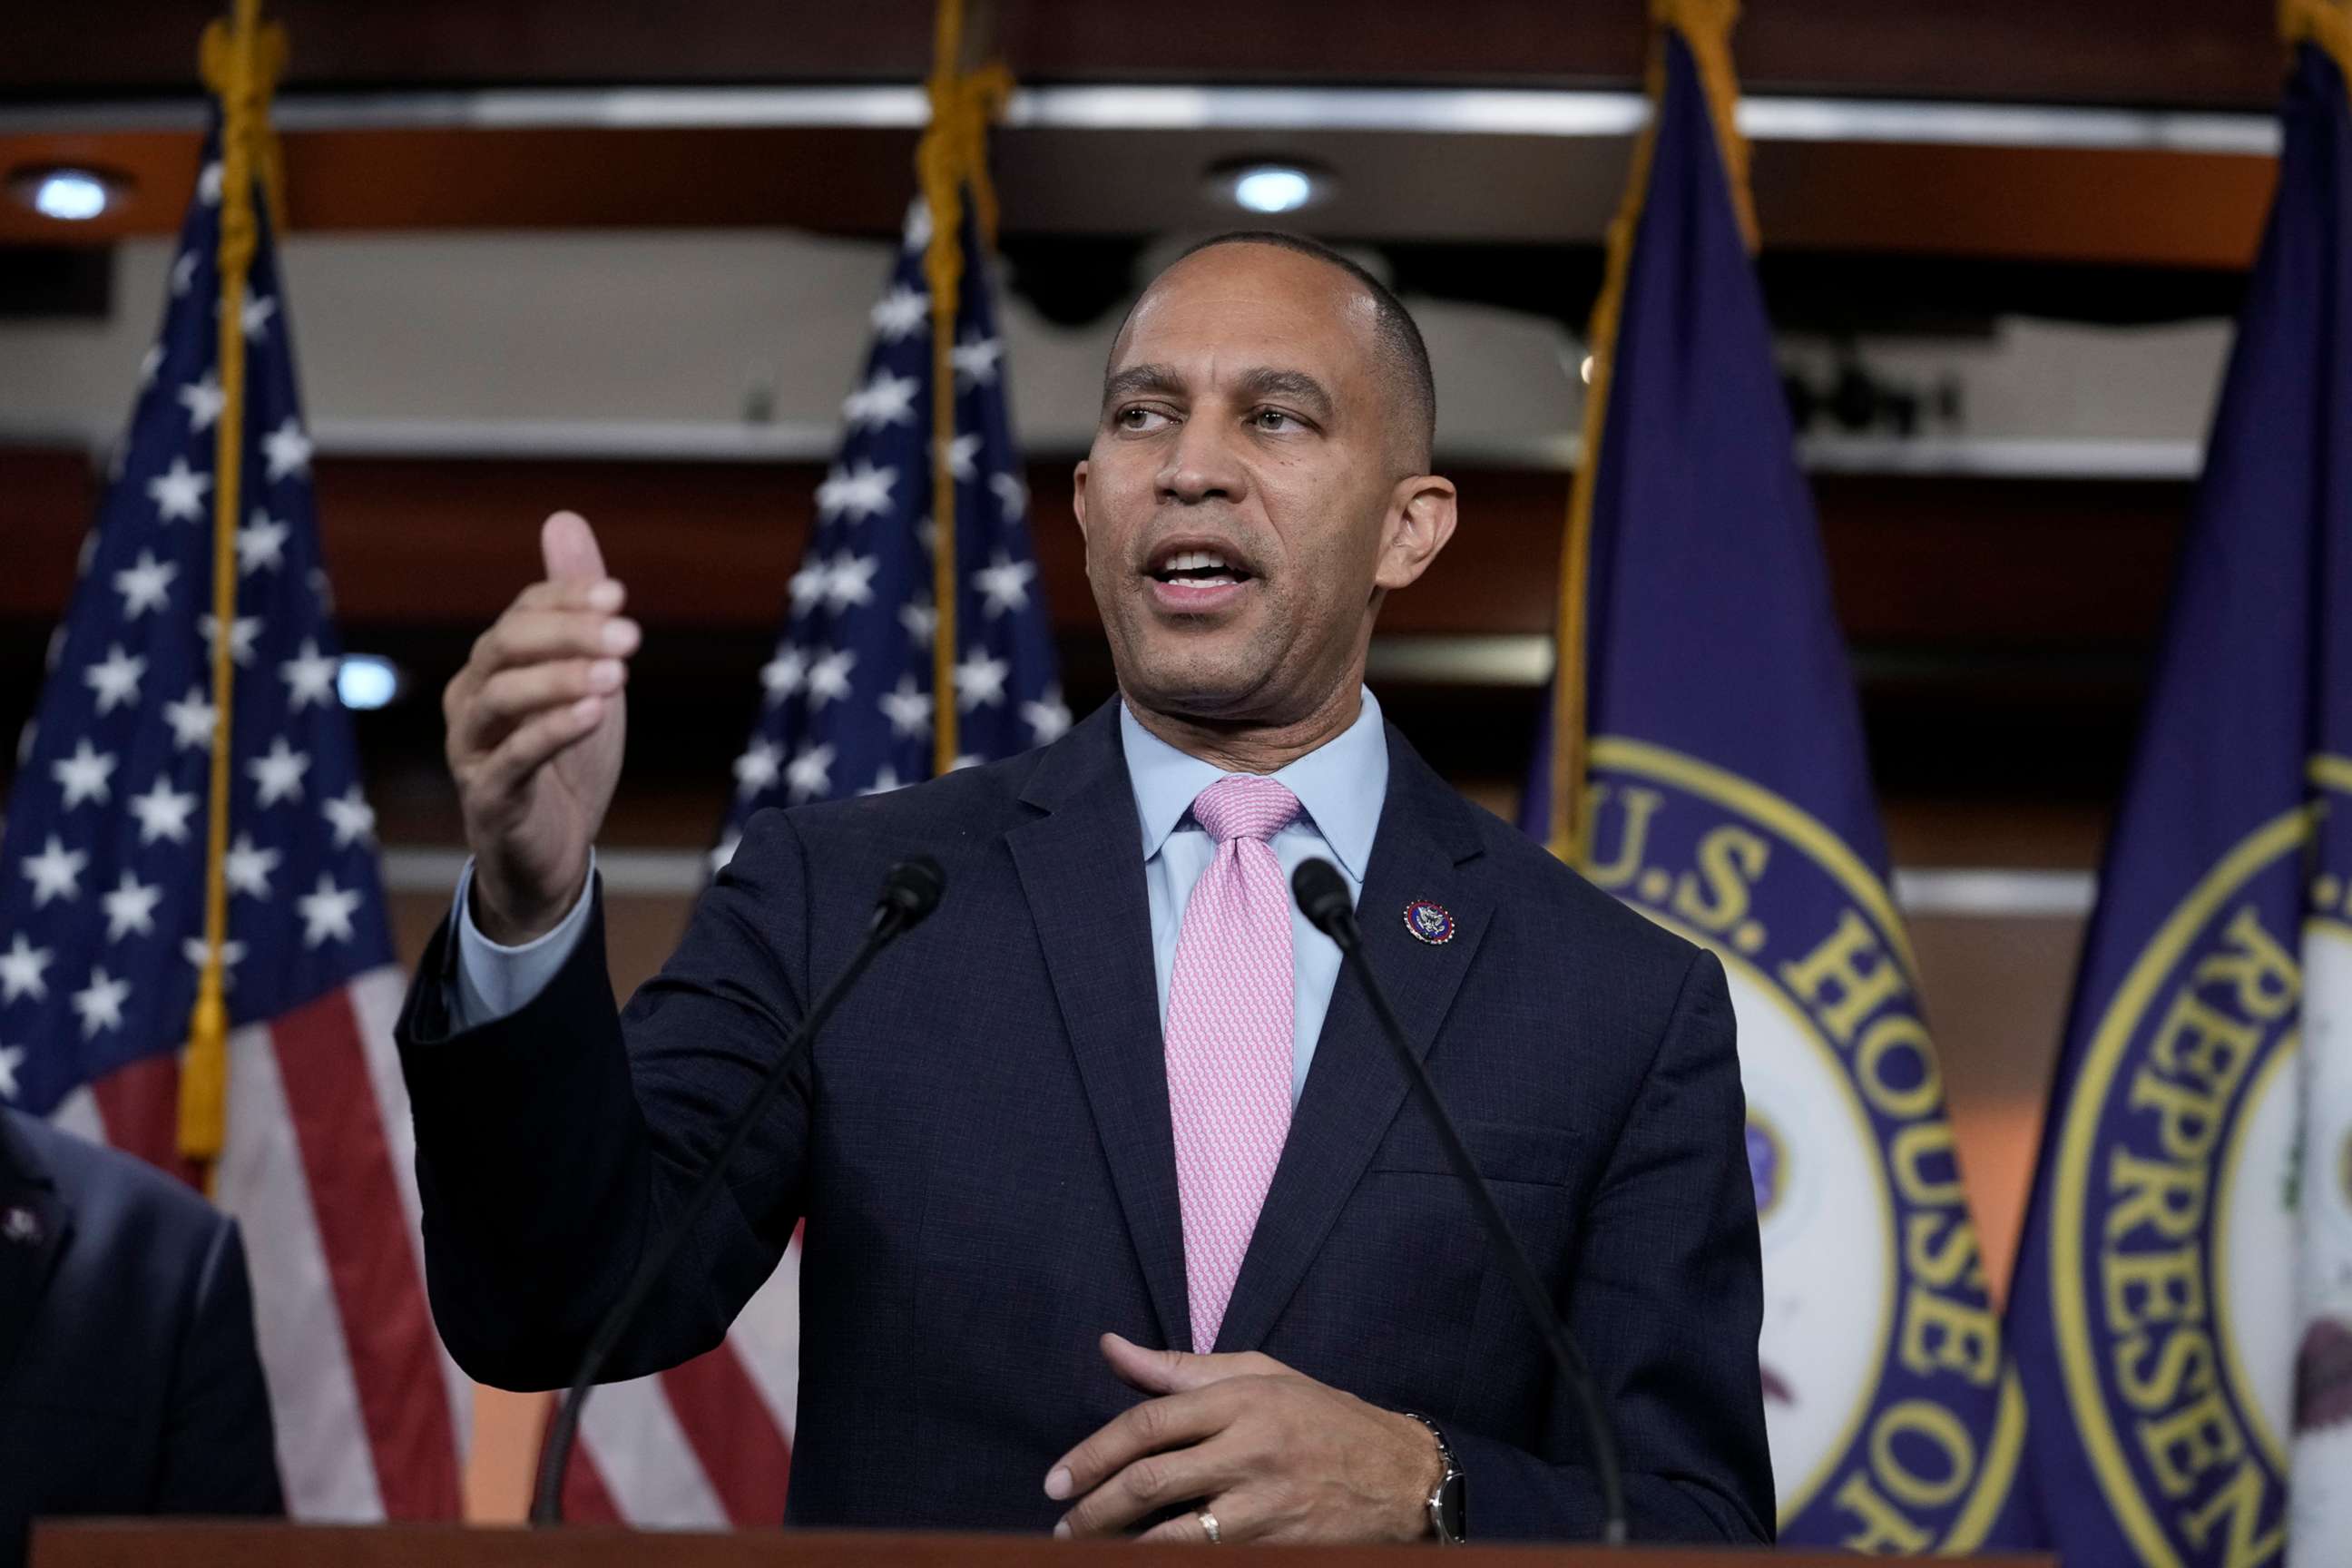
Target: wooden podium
(151,1543)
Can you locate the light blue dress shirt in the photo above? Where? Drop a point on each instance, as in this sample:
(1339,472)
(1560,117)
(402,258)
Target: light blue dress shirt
(1340,785)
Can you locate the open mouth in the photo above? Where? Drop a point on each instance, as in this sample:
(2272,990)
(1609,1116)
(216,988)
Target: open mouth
(1201,569)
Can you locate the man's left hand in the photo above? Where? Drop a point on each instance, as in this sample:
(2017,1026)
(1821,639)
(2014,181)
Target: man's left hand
(1274,1456)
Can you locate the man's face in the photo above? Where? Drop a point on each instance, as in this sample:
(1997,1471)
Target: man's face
(1245,502)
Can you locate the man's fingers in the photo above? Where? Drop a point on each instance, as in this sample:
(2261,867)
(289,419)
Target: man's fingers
(1174,1372)
(529,636)
(1151,1427)
(603,594)
(1151,1483)
(1233,1523)
(568,547)
(505,770)
(514,695)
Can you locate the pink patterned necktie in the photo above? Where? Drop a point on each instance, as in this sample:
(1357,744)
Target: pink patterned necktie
(1229,1039)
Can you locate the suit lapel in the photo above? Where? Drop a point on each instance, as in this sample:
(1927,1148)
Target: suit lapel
(1081,868)
(34,1223)
(1355,1087)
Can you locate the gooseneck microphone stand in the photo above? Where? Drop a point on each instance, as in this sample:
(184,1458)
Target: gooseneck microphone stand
(910,891)
(1323,898)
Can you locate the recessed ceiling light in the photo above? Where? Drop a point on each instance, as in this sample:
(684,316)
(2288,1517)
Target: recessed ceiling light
(69,195)
(368,680)
(1271,188)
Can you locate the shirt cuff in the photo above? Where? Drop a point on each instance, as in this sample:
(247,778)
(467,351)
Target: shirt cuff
(495,980)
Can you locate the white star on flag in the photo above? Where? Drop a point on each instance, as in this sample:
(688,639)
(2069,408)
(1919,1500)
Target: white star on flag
(54,872)
(1048,718)
(163,812)
(191,719)
(886,399)
(194,950)
(861,493)
(310,677)
(353,819)
(278,775)
(258,310)
(21,968)
(884,782)
(979,680)
(809,583)
(286,451)
(916,233)
(241,633)
(962,453)
(247,867)
(260,544)
(179,492)
(850,581)
(907,709)
(184,272)
(1011,495)
(203,400)
(83,777)
(920,619)
(811,772)
(148,363)
(829,678)
(327,913)
(1004,585)
(132,907)
(145,585)
(725,852)
(209,184)
(115,679)
(901,312)
(782,675)
(101,1003)
(975,359)
(757,768)
(11,1058)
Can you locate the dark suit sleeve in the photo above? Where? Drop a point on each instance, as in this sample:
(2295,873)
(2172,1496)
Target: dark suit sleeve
(1666,1302)
(553,1142)
(219,1452)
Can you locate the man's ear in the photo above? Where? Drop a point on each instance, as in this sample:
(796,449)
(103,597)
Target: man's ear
(1079,495)
(1421,519)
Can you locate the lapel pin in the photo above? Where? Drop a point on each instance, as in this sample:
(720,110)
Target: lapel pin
(21,1225)
(1429,922)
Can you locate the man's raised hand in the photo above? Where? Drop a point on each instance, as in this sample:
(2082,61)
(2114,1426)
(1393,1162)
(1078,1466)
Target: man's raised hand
(535,724)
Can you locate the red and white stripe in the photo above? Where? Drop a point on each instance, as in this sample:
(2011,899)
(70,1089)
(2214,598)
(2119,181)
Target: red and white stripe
(319,1172)
(706,1445)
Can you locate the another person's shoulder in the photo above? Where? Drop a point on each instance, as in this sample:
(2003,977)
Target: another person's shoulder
(109,1191)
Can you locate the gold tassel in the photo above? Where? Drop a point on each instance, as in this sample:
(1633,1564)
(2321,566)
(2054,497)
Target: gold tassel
(1706,28)
(951,157)
(241,62)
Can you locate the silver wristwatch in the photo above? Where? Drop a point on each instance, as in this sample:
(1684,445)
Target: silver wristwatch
(1448,1510)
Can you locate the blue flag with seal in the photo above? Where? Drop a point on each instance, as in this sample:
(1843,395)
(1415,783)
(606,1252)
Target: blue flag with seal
(2191,1219)
(1727,796)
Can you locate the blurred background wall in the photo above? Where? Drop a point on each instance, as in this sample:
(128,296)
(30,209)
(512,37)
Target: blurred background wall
(619,257)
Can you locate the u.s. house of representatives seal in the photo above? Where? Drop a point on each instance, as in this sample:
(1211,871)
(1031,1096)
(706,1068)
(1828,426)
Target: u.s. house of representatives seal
(1891,1423)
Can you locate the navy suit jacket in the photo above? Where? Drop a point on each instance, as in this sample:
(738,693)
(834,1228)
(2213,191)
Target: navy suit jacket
(980,1145)
(129,1382)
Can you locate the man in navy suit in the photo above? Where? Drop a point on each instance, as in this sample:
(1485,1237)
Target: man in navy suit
(1107,1124)
(129,1382)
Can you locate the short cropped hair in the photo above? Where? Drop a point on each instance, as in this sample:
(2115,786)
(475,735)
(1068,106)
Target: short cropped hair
(1404,358)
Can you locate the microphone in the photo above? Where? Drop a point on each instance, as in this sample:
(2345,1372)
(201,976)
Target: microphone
(910,891)
(1322,896)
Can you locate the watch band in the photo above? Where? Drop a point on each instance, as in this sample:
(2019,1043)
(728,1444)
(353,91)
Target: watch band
(1448,1505)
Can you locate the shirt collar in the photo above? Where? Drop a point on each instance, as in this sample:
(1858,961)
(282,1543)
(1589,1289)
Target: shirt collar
(1341,784)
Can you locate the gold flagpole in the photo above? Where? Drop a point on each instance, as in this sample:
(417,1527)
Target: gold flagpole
(953,157)
(1706,28)
(241,61)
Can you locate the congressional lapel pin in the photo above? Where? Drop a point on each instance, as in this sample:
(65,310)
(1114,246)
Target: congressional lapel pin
(1429,922)
(21,1225)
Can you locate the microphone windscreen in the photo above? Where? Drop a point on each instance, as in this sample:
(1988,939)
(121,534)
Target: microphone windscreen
(1322,895)
(913,888)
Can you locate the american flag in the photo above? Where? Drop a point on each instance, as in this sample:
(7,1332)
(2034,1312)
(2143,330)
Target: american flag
(101,903)
(847,709)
